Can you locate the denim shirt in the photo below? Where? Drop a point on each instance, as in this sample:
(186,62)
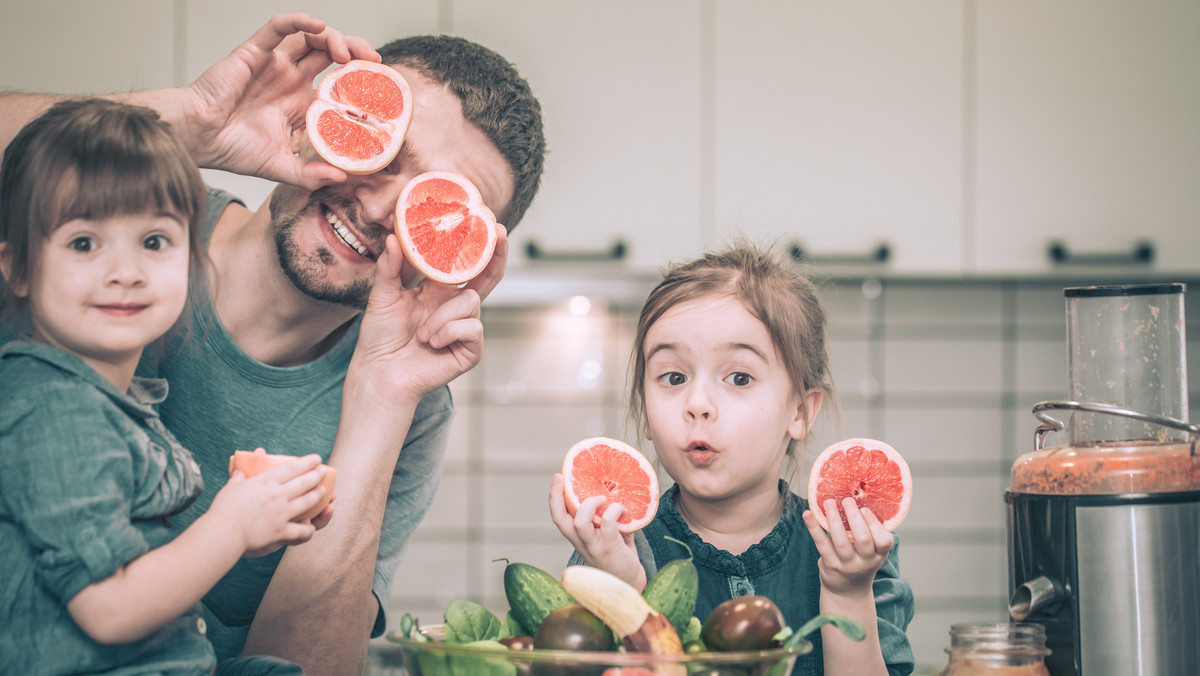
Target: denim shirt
(89,479)
(782,567)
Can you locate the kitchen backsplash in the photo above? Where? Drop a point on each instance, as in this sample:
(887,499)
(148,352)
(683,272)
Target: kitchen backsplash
(947,372)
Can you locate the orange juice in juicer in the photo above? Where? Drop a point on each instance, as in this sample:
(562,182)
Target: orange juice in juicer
(1104,513)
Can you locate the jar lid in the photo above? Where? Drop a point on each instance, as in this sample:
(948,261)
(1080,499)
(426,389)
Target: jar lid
(1124,290)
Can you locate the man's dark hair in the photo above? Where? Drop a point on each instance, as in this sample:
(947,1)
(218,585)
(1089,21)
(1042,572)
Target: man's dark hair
(494,98)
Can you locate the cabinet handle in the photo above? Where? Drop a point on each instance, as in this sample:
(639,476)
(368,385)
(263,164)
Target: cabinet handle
(1142,252)
(615,253)
(879,255)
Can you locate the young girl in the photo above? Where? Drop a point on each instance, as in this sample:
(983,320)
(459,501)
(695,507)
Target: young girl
(730,370)
(98,206)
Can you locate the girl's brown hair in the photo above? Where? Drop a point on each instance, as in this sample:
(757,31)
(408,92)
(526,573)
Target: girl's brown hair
(93,159)
(772,289)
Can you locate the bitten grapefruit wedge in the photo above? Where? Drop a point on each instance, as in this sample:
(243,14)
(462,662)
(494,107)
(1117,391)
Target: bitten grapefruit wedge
(359,118)
(602,466)
(255,462)
(870,471)
(446,230)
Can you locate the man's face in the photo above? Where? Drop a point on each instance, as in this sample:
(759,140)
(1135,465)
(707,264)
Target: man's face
(328,239)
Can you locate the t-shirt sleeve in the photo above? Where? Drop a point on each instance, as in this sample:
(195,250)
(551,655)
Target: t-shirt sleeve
(65,472)
(894,609)
(414,483)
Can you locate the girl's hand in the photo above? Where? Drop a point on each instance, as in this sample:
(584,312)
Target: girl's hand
(264,508)
(602,547)
(850,560)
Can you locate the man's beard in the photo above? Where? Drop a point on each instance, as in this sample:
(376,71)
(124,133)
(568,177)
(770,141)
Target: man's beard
(305,271)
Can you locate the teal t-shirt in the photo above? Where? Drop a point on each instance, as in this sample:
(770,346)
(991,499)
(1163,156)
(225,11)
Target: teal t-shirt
(89,480)
(782,567)
(222,400)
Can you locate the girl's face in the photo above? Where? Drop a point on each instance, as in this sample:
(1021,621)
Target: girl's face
(720,407)
(104,289)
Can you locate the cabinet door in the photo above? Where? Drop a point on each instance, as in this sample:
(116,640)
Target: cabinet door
(839,125)
(71,47)
(619,84)
(1088,133)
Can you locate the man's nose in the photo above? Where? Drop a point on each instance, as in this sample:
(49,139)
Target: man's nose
(378,194)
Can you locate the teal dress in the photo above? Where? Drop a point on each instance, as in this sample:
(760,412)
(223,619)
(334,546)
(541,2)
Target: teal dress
(782,567)
(89,480)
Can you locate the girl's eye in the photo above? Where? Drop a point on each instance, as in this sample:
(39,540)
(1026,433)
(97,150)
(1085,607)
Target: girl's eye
(672,379)
(82,244)
(156,242)
(739,379)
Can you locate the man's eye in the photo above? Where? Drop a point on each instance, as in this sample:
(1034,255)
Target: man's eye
(156,242)
(739,379)
(82,244)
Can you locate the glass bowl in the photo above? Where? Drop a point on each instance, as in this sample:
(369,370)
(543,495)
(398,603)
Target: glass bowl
(436,658)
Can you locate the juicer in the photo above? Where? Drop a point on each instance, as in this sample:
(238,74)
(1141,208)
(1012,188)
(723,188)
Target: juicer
(1104,529)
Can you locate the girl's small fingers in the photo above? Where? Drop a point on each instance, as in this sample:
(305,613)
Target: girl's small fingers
(837,531)
(881,536)
(860,533)
(287,471)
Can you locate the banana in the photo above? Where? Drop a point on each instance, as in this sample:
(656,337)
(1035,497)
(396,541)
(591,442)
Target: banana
(642,629)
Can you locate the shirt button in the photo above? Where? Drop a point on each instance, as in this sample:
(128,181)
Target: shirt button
(201,625)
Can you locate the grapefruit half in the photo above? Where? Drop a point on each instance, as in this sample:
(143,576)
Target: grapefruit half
(870,471)
(445,229)
(602,466)
(255,462)
(358,120)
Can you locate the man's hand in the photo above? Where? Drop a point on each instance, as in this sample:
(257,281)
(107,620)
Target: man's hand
(415,340)
(245,114)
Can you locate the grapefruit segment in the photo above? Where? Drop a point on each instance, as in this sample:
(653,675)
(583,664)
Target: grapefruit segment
(253,463)
(360,115)
(603,466)
(445,229)
(870,471)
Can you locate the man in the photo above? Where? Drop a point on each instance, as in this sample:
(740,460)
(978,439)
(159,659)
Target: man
(282,354)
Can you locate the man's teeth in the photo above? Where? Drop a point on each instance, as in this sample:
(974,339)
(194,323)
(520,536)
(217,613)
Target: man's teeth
(347,236)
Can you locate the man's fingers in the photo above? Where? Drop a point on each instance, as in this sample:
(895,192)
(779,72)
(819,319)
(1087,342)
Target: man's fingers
(485,281)
(279,28)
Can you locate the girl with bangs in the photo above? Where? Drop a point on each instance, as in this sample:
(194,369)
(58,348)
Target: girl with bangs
(730,370)
(99,206)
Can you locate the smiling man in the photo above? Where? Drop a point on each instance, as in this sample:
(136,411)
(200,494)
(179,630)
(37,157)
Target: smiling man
(281,353)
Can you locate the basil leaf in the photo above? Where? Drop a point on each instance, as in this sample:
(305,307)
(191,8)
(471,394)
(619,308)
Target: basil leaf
(467,622)
(853,630)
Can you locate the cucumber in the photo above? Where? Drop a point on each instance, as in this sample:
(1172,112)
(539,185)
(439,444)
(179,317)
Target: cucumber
(532,594)
(673,589)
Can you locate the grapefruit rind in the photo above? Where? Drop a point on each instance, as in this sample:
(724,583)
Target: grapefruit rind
(331,120)
(576,489)
(445,229)
(253,463)
(892,521)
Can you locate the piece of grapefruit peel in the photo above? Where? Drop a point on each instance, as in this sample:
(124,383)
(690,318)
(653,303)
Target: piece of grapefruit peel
(868,470)
(617,471)
(445,229)
(360,115)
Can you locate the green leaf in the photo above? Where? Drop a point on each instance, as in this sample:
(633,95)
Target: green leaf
(467,622)
(481,665)
(511,627)
(853,630)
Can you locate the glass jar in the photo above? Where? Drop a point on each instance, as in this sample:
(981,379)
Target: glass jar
(1002,649)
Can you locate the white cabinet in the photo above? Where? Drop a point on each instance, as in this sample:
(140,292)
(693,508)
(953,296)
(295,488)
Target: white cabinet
(839,125)
(620,87)
(1088,133)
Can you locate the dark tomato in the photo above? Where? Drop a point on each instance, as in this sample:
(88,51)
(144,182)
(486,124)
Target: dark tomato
(573,627)
(744,623)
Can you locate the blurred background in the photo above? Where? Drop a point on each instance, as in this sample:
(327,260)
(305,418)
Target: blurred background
(944,169)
